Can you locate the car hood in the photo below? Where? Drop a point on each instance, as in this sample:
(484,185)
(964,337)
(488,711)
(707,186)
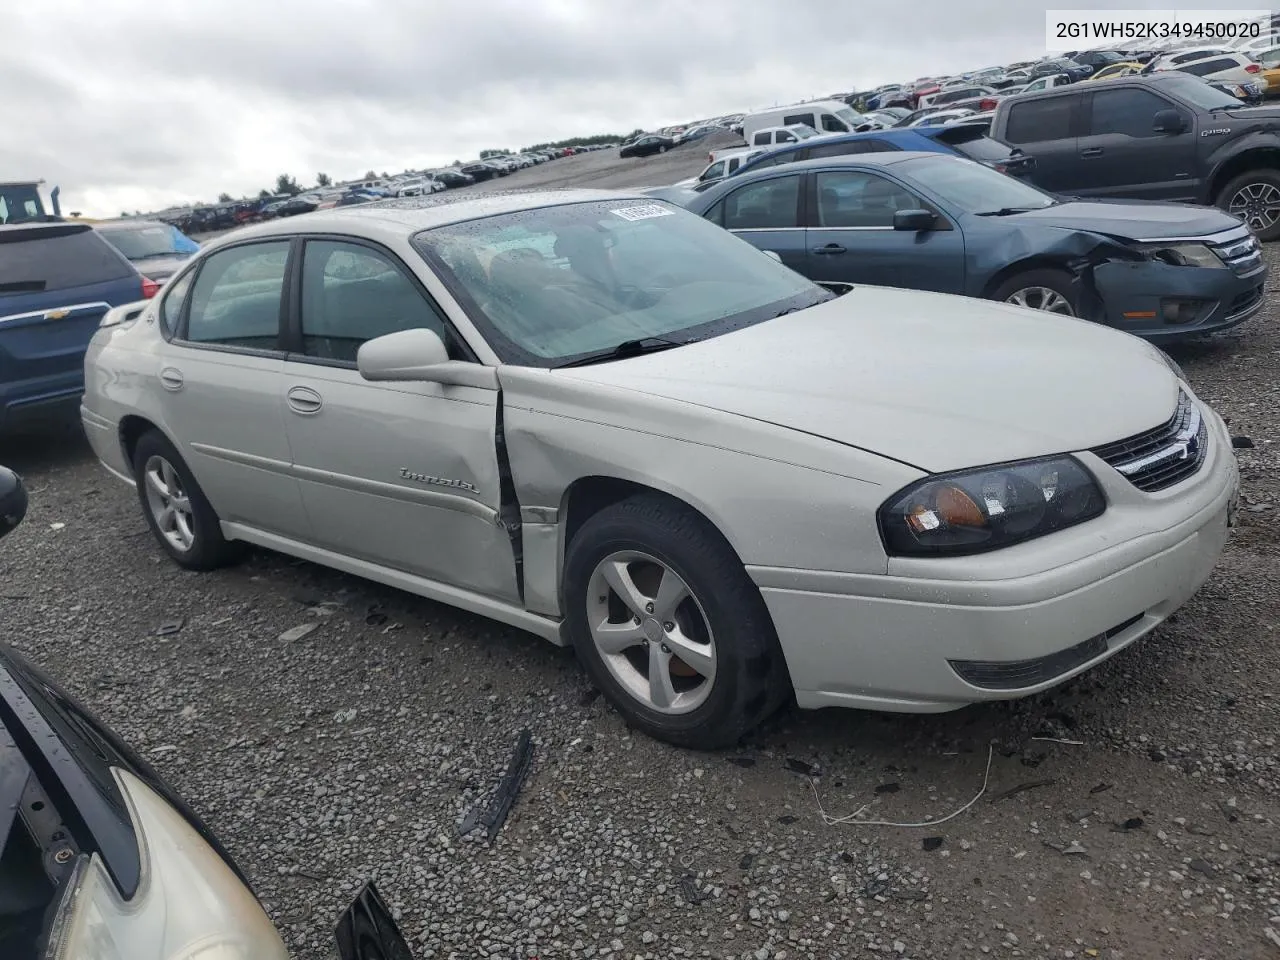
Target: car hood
(1131,219)
(935,381)
(1250,113)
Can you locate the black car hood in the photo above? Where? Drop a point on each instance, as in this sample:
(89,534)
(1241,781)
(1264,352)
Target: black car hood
(1250,113)
(1131,219)
(71,753)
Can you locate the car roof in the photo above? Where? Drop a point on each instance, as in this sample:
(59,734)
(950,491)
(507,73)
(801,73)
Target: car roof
(131,223)
(402,216)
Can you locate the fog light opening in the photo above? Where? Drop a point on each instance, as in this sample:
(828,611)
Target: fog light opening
(1180,311)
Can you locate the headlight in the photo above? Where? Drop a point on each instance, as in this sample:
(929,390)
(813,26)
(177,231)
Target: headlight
(189,904)
(977,510)
(1183,254)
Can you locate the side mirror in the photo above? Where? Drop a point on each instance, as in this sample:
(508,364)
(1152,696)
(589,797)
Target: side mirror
(13,500)
(913,220)
(419,355)
(772,255)
(1168,121)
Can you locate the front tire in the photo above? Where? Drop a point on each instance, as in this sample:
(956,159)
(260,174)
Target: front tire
(1254,197)
(177,511)
(669,626)
(1050,291)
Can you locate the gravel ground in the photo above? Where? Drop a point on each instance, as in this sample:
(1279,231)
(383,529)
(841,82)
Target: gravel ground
(354,751)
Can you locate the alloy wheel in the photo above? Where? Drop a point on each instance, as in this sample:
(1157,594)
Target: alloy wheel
(169,503)
(1041,298)
(1257,204)
(651,632)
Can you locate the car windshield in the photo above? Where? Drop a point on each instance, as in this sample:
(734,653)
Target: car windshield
(556,284)
(849,115)
(1200,93)
(974,188)
(144,241)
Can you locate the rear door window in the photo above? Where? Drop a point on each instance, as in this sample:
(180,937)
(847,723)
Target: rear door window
(236,298)
(38,258)
(805,118)
(1040,121)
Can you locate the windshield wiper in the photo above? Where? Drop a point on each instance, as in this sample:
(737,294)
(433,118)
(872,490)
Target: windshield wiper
(1007,211)
(627,348)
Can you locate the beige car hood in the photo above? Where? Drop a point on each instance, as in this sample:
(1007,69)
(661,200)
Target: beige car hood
(935,381)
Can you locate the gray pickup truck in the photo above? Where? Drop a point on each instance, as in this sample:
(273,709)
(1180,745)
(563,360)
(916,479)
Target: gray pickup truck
(1166,136)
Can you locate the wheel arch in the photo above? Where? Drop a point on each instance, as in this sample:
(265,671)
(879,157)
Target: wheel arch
(1025,265)
(131,429)
(1264,156)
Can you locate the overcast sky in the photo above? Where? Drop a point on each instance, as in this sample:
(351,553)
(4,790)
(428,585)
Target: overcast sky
(138,104)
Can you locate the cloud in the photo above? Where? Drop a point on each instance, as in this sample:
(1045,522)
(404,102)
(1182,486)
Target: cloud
(139,104)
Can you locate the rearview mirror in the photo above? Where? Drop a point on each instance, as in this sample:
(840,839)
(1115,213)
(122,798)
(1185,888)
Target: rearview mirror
(772,254)
(913,220)
(13,500)
(419,355)
(1168,121)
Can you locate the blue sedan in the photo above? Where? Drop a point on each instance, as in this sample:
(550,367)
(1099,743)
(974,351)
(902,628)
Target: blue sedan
(928,221)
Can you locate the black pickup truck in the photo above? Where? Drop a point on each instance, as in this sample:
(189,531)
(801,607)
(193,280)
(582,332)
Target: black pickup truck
(1165,136)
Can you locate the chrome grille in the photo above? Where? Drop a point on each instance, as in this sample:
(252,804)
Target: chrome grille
(1239,250)
(1159,458)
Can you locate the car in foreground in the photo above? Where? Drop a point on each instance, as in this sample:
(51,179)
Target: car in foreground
(57,281)
(100,859)
(602,419)
(1166,136)
(156,249)
(934,222)
(646,146)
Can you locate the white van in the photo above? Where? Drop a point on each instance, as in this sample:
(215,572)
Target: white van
(824,116)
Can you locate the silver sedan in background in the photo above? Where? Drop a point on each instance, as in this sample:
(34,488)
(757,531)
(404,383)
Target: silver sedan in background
(602,419)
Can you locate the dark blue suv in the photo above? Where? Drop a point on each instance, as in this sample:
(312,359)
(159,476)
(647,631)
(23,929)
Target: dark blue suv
(57,280)
(967,140)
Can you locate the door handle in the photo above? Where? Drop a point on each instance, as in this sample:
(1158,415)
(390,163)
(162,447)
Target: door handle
(1091,152)
(829,250)
(171,379)
(304,400)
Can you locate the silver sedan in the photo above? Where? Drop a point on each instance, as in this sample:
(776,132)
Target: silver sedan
(606,421)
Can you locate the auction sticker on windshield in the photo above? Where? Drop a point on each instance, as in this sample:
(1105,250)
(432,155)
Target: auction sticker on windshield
(645,212)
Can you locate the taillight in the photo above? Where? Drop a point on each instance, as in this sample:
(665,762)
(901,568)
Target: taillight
(988,104)
(1253,68)
(149,288)
(1000,168)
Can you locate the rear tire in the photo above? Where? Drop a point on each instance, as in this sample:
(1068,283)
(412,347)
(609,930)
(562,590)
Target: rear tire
(686,595)
(177,511)
(1044,289)
(1254,197)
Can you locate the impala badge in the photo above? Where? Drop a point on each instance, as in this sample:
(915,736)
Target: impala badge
(408,474)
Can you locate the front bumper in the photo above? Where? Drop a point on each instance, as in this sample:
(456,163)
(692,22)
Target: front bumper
(1218,299)
(1029,617)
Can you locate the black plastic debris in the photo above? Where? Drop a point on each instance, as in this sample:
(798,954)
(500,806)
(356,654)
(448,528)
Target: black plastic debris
(743,761)
(1133,823)
(493,814)
(1201,866)
(1242,443)
(1022,788)
(170,628)
(746,861)
(689,890)
(787,819)
(803,767)
(1101,787)
(931,843)
(375,617)
(888,787)
(367,930)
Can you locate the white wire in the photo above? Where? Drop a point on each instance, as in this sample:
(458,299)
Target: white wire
(855,817)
